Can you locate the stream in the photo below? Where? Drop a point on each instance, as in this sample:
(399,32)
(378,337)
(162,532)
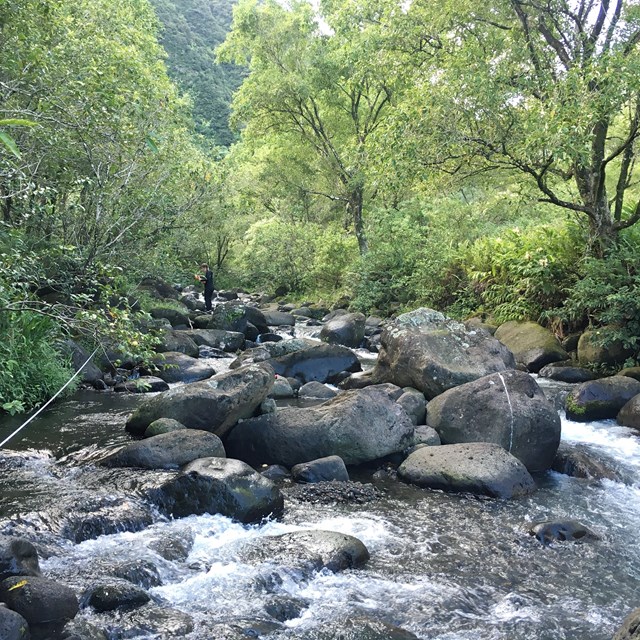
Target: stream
(444,567)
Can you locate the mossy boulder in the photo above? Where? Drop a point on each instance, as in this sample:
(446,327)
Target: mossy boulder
(600,399)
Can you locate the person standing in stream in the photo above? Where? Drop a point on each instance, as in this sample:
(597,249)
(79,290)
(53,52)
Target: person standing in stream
(207,279)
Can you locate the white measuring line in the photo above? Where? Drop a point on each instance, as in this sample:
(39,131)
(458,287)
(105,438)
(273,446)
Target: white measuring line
(46,404)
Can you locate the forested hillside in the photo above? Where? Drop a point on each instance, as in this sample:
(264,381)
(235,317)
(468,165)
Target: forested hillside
(480,159)
(191,30)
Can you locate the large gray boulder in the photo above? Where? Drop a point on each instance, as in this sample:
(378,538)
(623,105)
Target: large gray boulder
(178,342)
(168,450)
(629,415)
(229,316)
(425,350)
(532,345)
(218,485)
(177,317)
(592,352)
(508,409)
(217,338)
(12,625)
(18,557)
(347,330)
(358,426)
(600,399)
(477,467)
(304,360)
(213,405)
(321,470)
(178,367)
(79,357)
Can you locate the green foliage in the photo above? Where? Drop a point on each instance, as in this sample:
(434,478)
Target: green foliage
(607,296)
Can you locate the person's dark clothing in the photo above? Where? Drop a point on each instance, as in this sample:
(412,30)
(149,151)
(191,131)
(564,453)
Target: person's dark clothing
(208,289)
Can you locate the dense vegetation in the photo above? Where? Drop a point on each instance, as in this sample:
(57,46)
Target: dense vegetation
(480,159)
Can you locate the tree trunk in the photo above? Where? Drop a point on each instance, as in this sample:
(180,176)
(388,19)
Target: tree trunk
(354,207)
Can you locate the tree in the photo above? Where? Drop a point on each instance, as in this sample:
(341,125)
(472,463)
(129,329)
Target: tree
(315,80)
(549,89)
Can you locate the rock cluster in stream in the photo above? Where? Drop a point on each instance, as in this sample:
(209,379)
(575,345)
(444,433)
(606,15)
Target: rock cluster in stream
(444,405)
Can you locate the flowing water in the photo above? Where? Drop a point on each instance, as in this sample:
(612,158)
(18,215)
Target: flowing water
(445,567)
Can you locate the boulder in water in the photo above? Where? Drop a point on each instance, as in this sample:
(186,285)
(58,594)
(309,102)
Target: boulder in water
(478,468)
(18,557)
(168,450)
(561,531)
(600,399)
(425,350)
(532,345)
(177,342)
(218,485)
(359,426)
(152,621)
(321,470)
(113,593)
(347,329)
(12,625)
(177,367)
(162,425)
(229,341)
(566,373)
(508,409)
(629,415)
(213,405)
(578,462)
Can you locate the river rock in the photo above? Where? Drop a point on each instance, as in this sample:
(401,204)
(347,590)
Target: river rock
(143,384)
(278,318)
(321,470)
(307,550)
(478,468)
(158,288)
(361,628)
(177,367)
(152,621)
(281,389)
(18,557)
(600,399)
(561,531)
(506,408)
(424,435)
(229,341)
(110,594)
(630,372)
(425,350)
(162,425)
(591,352)
(320,363)
(630,629)
(91,373)
(168,450)
(316,390)
(229,316)
(629,415)
(358,426)
(12,625)
(532,345)
(81,629)
(218,485)
(578,462)
(177,317)
(174,546)
(213,405)
(566,373)
(39,600)
(177,342)
(284,608)
(347,330)
(415,404)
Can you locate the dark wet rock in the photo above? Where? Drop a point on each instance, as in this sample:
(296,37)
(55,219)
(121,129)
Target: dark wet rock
(333,493)
(269,337)
(358,380)
(320,363)
(591,352)
(566,373)
(508,409)
(346,329)
(12,625)
(360,628)
(316,390)
(630,629)
(141,572)
(276,472)
(278,318)
(578,462)
(532,345)
(177,342)
(238,629)
(218,485)
(426,435)
(81,629)
(283,608)
(213,405)
(153,621)
(629,415)
(39,600)
(163,425)
(415,404)
(228,341)
(600,399)
(321,470)
(256,318)
(425,350)
(110,594)
(168,450)
(143,384)
(176,317)
(358,426)
(91,373)
(174,546)
(308,551)
(18,557)
(561,531)
(478,468)
(177,367)
(229,316)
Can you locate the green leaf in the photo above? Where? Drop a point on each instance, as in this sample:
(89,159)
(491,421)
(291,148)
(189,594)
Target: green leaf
(151,144)
(17,122)
(10,143)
